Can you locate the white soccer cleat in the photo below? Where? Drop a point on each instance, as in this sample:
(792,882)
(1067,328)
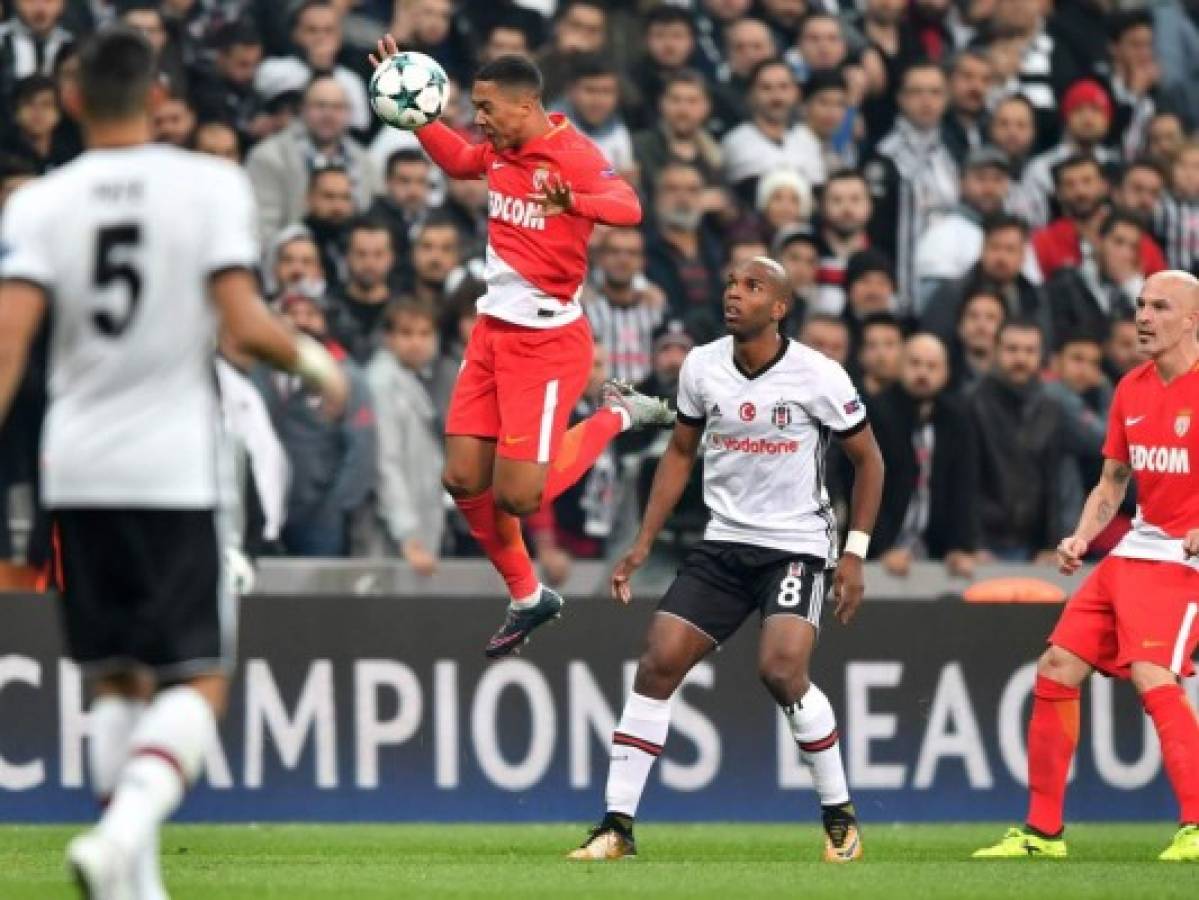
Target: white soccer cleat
(100,868)
(644,411)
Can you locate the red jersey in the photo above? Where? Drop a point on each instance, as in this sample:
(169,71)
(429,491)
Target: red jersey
(536,265)
(1150,428)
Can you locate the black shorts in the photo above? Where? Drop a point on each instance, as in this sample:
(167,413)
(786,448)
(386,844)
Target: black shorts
(721,583)
(144,588)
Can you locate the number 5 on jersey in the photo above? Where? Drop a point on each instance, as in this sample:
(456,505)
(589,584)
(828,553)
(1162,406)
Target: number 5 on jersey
(115,248)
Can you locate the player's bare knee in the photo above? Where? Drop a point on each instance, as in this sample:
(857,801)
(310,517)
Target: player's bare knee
(518,502)
(1061,666)
(461,483)
(657,677)
(1146,676)
(784,678)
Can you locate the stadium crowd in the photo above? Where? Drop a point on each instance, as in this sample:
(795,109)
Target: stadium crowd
(966,195)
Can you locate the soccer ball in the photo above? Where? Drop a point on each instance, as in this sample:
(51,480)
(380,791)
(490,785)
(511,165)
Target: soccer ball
(409,90)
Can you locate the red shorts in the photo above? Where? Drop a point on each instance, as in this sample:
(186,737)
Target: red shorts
(519,385)
(1133,610)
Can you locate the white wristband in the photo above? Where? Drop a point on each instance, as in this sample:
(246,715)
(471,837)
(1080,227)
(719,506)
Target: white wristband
(313,362)
(857,543)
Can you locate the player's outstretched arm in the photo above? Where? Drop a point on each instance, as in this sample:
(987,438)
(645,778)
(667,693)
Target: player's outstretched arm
(849,584)
(1102,504)
(22,306)
(457,157)
(256,331)
(670,479)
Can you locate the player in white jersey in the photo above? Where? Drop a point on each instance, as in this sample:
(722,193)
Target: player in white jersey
(763,408)
(139,251)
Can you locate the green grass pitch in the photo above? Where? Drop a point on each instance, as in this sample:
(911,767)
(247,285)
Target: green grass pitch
(292,862)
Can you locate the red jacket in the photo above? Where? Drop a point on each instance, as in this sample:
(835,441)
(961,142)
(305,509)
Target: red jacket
(1057,245)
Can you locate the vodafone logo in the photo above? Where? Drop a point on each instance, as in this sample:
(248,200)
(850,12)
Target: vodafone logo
(756,446)
(747,412)
(515,211)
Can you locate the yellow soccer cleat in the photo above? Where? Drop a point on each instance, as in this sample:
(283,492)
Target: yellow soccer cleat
(1021,843)
(1184,847)
(842,839)
(610,839)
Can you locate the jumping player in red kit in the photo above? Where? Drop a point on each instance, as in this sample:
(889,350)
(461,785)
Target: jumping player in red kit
(1136,617)
(529,357)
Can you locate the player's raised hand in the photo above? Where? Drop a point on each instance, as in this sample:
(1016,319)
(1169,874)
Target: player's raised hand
(849,586)
(1190,543)
(555,198)
(386,47)
(629,563)
(1070,553)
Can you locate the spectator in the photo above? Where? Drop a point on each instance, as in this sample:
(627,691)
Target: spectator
(317,38)
(713,20)
(146,16)
(330,208)
(972,353)
(1140,188)
(31,40)
(580,26)
(825,112)
(771,140)
(1166,136)
(784,18)
(625,308)
(1134,82)
(293,265)
(880,354)
(748,44)
(1178,213)
(1019,449)
(281,166)
(964,127)
(503,37)
(783,199)
(1087,112)
(1012,129)
(869,290)
(1005,244)
(33,135)
(435,254)
(679,136)
(466,206)
(174,121)
(947,250)
(682,251)
(845,212)
(1089,297)
(430,27)
(797,249)
(929,508)
(593,104)
(1176,48)
(892,47)
(68,134)
(820,44)
(217,139)
(409,501)
(670,342)
(1121,351)
(913,177)
(224,89)
(403,205)
(1082,191)
(827,334)
(356,313)
(669,45)
(333,463)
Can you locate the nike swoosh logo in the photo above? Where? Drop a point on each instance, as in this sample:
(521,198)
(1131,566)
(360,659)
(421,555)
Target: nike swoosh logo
(497,165)
(509,439)
(1132,420)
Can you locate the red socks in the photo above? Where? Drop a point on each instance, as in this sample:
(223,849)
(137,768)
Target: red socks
(1052,737)
(1178,732)
(580,448)
(498,533)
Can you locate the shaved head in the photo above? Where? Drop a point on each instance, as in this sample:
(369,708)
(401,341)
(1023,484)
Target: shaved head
(1174,284)
(772,272)
(1167,318)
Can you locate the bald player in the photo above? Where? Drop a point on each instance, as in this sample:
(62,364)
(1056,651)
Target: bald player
(1135,616)
(764,407)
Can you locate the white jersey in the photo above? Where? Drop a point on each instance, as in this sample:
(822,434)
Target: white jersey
(124,241)
(765,437)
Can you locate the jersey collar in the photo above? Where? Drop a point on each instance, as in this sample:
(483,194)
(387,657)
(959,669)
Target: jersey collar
(784,346)
(559,124)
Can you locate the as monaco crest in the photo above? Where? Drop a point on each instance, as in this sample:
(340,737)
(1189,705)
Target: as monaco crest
(540,177)
(1182,423)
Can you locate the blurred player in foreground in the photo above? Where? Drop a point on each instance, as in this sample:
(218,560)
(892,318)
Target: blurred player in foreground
(764,407)
(508,451)
(142,251)
(1135,617)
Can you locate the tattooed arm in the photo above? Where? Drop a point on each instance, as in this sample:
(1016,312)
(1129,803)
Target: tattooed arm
(1099,510)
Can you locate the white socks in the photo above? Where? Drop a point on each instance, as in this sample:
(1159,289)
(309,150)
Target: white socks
(636,743)
(166,751)
(814,728)
(526,602)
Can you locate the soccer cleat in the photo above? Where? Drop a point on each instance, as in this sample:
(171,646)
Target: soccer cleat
(612,838)
(1024,843)
(644,411)
(1184,847)
(842,839)
(100,868)
(520,623)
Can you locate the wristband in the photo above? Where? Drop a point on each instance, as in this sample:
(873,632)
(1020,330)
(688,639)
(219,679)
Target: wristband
(857,543)
(313,362)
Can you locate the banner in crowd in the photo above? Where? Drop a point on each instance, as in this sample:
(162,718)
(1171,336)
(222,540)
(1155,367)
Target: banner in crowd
(383,708)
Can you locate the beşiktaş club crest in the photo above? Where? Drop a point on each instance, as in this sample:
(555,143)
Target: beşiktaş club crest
(782,413)
(1182,422)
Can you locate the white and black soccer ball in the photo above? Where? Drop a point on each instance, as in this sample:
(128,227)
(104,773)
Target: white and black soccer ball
(409,90)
